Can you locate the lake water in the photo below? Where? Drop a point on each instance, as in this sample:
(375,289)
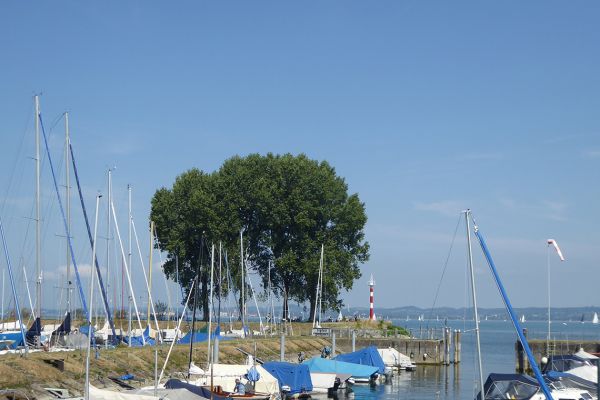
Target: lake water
(459,381)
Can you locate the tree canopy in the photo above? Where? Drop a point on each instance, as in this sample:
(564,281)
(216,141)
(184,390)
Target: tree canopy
(286,206)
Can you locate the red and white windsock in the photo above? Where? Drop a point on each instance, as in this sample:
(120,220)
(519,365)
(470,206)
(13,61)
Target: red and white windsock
(552,242)
(371,289)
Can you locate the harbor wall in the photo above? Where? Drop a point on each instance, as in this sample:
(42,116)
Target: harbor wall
(539,348)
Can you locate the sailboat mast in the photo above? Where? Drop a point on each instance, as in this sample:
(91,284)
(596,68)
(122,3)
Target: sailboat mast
(321,284)
(68,204)
(220,285)
(150,269)
(549,328)
(127,274)
(474,294)
(511,313)
(108,221)
(243,300)
(38,260)
(210,303)
(317,324)
(129,255)
(91,330)
(195,288)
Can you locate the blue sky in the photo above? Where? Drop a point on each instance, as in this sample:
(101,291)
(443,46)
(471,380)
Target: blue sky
(426,108)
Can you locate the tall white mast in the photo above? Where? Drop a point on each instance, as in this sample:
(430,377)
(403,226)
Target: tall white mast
(474,294)
(127,274)
(243,281)
(38,260)
(87,359)
(319,293)
(68,204)
(129,254)
(210,303)
(108,222)
(549,327)
(321,284)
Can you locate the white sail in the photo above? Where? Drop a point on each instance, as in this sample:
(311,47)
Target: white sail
(595,319)
(522,318)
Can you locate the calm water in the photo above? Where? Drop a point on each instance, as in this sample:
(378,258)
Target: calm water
(459,382)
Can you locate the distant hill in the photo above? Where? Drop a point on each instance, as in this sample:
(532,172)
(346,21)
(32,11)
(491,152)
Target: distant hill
(531,313)
(413,313)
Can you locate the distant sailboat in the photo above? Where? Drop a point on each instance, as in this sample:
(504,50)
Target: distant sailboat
(522,318)
(595,319)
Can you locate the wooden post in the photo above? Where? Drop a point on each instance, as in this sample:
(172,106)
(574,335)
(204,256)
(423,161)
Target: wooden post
(522,363)
(282,348)
(353,341)
(447,345)
(457,346)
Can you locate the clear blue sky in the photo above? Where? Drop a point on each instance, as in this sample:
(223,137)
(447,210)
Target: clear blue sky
(426,108)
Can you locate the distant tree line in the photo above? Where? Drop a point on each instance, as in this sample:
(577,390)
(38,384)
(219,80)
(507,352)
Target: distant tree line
(286,207)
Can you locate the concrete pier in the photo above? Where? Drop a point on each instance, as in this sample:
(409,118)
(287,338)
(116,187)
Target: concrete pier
(557,347)
(421,351)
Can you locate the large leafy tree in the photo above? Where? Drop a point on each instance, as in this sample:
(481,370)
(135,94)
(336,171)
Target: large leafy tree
(286,206)
(185,220)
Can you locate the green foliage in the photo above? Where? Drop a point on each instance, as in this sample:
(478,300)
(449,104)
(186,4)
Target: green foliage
(287,206)
(392,330)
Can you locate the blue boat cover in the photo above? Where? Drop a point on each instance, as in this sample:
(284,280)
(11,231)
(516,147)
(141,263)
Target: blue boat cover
(34,330)
(11,340)
(85,329)
(65,326)
(318,364)
(296,376)
(367,356)
(562,363)
(570,380)
(509,386)
(202,336)
(198,337)
(136,341)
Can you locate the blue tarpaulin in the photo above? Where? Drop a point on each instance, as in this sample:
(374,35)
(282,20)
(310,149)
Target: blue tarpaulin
(136,341)
(85,329)
(11,340)
(318,364)
(296,376)
(367,356)
(198,337)
(202,336)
